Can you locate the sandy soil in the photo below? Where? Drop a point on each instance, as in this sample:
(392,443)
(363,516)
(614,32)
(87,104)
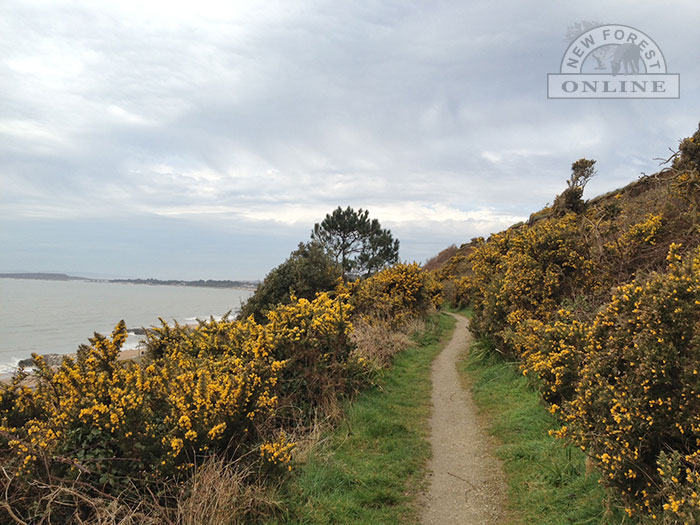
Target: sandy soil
(467,484)
(131,353)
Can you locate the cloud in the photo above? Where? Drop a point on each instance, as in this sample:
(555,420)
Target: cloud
(236,116)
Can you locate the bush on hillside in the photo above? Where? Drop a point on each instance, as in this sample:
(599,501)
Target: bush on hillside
(435,263)
(98,426)
(636,409)
(686,169)
(313,338)
(397,294)
(551,354)
(307,271)
(526,272)
(621,373)
(571,199)
(100,438)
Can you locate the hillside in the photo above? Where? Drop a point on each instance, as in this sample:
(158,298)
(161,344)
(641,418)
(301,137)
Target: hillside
(42,276)
(201,283)
(599,301)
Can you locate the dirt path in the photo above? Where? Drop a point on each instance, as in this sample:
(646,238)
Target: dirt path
(467,484)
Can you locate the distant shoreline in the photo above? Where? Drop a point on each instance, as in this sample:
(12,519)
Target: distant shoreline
(56,314)
(131,351)
(209,283)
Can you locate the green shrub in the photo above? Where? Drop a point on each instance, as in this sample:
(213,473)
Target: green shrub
(307,271)
(526,272)
(397,294)
(637,405)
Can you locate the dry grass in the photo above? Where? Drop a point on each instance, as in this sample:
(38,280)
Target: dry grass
(117,512)
(87,508)
(220,492)
(376,340)
(224,493)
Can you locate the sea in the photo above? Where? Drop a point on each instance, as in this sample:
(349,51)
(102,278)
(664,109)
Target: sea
(57,316)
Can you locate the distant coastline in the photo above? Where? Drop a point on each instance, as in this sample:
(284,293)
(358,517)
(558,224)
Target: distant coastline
(209,283)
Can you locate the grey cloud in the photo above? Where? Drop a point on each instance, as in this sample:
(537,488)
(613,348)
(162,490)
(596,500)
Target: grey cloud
(237,119)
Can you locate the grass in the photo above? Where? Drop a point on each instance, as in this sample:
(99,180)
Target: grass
(372,467)
(547,481)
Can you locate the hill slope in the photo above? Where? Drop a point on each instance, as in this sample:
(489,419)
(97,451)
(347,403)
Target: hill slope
(600,302)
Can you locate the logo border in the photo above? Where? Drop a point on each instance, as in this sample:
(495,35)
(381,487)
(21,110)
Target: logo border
(566,51)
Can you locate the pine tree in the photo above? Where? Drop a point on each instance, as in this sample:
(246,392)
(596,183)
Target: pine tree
(357,243)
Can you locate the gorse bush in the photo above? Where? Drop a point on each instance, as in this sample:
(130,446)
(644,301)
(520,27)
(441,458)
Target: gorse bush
(388,307)
(637,402)
(313,337)
(308,270)
(551,354)
(106,424)
(570,200)
(640,246)
(399,294)
(625,383)
(308,339)
(525,272)
(453,276)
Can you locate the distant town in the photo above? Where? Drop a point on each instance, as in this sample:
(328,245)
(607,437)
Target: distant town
(209,283)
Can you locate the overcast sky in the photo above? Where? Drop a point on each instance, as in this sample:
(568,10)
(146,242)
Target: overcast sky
(203,139)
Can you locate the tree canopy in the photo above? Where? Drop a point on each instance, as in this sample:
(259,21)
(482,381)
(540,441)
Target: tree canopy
(357,243)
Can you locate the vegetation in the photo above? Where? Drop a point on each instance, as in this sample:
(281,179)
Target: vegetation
(599,303)
(596,303)
(360,245)
(307,271)
(571,199)
(99,428)
(636,407)
(396,293)
(436,262)
(102,440)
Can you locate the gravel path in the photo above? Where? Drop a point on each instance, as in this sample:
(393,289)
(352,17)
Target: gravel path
(467,483)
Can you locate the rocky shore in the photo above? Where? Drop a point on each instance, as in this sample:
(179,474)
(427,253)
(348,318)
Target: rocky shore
(52,359)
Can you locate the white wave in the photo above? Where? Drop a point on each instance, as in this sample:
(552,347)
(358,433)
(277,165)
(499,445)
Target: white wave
(9,368)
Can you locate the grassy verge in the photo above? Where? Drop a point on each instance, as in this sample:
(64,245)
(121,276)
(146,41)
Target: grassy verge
(372,467)
(547,479)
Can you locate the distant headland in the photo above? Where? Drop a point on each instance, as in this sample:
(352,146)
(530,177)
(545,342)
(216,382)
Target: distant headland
(209,283)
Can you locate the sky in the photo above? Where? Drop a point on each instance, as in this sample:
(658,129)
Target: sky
(188,140)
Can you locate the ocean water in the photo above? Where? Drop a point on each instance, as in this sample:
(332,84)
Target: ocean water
(57,316)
